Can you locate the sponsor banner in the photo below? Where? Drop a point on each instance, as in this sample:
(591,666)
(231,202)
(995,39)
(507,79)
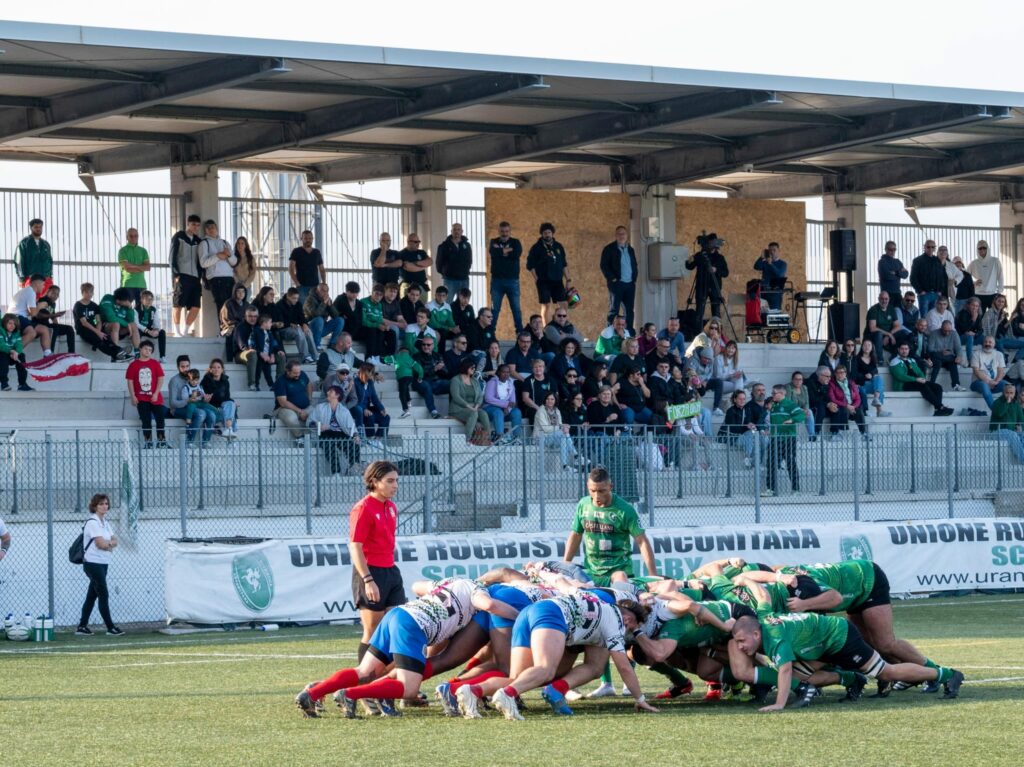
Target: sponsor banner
(309,579)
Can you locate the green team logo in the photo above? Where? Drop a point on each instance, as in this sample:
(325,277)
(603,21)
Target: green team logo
(855,547)
(254,580)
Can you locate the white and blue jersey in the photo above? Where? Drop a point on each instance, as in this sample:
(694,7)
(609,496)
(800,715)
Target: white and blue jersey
(447,608)
(583,617)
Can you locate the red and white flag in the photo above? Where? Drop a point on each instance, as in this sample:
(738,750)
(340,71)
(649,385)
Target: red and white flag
(58,366)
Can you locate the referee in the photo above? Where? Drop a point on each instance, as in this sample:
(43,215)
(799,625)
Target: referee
(376,581)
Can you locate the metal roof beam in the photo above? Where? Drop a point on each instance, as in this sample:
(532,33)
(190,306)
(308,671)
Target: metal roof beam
(331,88)
(576,177)
(103,100)
(896,173)
(800,116)
(655,138)
(219,114)
(581,105)
(28,102)
(356,147)
(903,150)
(120,136)
(783,186)
(580,158)
(967,194)
(220,145)
(461,126)
(63,72)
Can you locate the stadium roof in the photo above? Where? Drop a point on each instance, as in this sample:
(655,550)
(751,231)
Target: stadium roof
(122,100)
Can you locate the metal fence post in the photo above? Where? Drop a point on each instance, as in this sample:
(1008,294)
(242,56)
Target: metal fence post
(868,468)
(913,463)
(541,495)
(956,459)
(648,476)
(14,472)
(200,449)
(999,463)
(259,468)
(476,521)
(728,465)
(949,474)
(428,497)
(138,449)
(183,485)
(451,470)
(675,440)
(307,484)
(526,483)
(49,525)
(855,478)
(315,457)
(821,459)
(757,475)
(78,476)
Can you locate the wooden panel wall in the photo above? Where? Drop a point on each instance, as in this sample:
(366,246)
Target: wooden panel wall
(584,223)
(747,226)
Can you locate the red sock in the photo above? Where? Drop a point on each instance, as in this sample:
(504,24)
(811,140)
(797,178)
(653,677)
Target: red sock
(347,677)
(428,670)
(511,692)
(473,663)
(382,688)
(561,685)
(477,690)
(456,683)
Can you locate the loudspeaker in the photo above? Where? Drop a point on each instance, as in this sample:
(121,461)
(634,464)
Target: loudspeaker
(843,321)
(843,244)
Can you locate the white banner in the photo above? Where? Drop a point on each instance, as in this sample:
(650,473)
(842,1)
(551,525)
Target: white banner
(309,579)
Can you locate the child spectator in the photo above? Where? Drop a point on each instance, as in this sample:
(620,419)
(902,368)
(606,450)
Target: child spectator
(12,353)
(87,324)
(149,325)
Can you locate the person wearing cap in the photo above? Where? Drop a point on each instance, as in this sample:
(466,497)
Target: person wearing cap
(334,356)
(964,288)
(336,430)
(987,274)
(549,267)
(33,256)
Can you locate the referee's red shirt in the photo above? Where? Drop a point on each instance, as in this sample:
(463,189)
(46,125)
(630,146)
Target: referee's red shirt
(373,523)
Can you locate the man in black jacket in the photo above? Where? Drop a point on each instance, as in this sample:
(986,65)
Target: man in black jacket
(619,267)
(480,332)
(548,264)
(928,277)
(817,398)
(454,260)
(505,252)
(711,269)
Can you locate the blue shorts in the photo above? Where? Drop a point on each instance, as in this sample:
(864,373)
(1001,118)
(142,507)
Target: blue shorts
(400,639)
(510,596)
(605,595)
(540,615)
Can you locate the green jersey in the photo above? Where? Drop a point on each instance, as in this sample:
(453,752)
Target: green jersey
(113,312)
(725,589)
(441,317)
(687,633)
(731,572)
(136,256)
(801,636)
(372,313)
(608,533)
(853,579)
(608,343)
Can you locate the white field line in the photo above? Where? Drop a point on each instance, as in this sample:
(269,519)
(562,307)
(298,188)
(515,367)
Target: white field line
(154,643)
(230,659)
(995,679)
(235,655)
(937,603)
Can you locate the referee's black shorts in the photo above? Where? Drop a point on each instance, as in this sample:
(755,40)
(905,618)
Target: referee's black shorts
(389,583)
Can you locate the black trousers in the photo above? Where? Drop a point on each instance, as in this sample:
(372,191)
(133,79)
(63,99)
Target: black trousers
(97,575)
(221,287)
(939,363)
(147,413)
(379,343)
(840,419)
(5,366)
(57,331)
(781,449)
(931,392)
(108,347)
(337,444)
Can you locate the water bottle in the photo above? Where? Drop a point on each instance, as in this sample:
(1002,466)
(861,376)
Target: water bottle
(27,621)
(8,621)
(267,627)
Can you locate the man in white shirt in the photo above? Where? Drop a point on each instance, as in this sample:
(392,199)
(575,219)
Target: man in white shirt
(988,276)
(24,305)
(988,367)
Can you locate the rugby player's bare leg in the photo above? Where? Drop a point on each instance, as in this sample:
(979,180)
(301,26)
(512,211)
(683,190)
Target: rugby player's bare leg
(502,575)
(461,647)
(547,648)
(369,668)
(877,628)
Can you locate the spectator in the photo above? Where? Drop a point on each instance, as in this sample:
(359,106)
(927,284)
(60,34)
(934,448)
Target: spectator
(369,414)
(702,376)
(908,376)
(119,319)
(480,332)
(182,406)
(1014,338)
(568,358)
(890,272)
(198,397)
(218,388)
(256,348)
(938,314)
(549,266)
(492,361)
(455,260)
(882,324)
(25,307)
(231,316)
(847,353)
(321,319)
(928,278)
(632,395)
(245,268)
(711,339)
(410,303)
(568,385)
(995,322)
(378,339)
(907,312)
(558,330)
(306,266)
(711,269)
(648,339)
(505,253)
(659,382)
(342,378)
(820,405)
(740,428)
(134,262)
(454,357)
(33,256)
(350,309)
(799,394)
(727,369)
(336,431)
(535,388)
(864,372)
(953,273)
(987,273)
(553,432)
(989,369)
(12,352)
(87,324)
(618,265)
(628,359)
(603,415)
(968,325)
(188,290)
(945,353)
(662,353)
(408,373)
(290,324)
(500,403)
(466,399)
(610,341)
(536,330)
(100,541)
(783,416)
(844,395)
(522,356)
(435,374)
(149,324)
(918,341)
(677,343)
(758,404)
(1007,421)
(385,263)
(597,377)
(441,317)
(773,275)
(391,310)
(293,393)
(681,391)
(574,415)
(415,262)
(48,316)
(420,329)
(265,304)
(964,288)
(218,260)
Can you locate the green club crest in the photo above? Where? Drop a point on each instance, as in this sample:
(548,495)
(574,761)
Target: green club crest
(855,547)
(254,580)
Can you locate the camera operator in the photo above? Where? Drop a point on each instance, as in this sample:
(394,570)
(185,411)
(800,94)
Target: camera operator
(773,275)
(711,270)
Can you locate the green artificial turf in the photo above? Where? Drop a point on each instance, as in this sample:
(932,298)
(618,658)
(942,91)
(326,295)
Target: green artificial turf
(227,699)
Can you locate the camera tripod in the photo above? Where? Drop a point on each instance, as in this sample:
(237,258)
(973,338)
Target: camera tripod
(717,284)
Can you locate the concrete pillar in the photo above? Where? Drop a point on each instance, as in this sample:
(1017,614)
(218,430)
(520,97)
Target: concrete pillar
(198,184)
(1011,215)
(429,193)
(655,299)
(850,210)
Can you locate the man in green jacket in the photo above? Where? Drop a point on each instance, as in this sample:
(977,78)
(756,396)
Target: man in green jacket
(783,416)
(33,256)
(118,318)
(908,376)
(1008,421)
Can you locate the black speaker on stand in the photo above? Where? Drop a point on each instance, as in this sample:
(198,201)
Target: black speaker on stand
(843,317)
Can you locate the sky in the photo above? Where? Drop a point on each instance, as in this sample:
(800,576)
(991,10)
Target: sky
(927,43)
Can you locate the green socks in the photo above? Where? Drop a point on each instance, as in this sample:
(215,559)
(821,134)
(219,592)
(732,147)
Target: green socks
(675,676)
(606,675)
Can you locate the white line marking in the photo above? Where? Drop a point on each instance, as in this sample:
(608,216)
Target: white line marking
(971,603)
(129,644)
(996,679)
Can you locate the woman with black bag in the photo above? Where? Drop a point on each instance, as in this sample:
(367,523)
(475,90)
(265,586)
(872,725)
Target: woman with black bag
(98,541)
